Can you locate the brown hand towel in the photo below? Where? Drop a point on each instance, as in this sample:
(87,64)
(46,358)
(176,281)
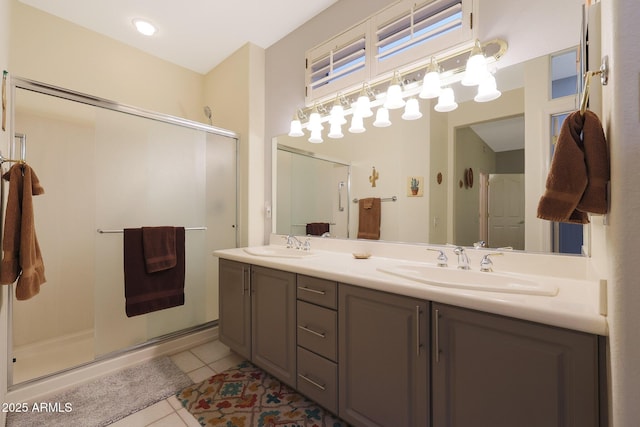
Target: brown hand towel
(317,228)
(159,246)
(146,292)
(22,259)
(369,218)
(579,172)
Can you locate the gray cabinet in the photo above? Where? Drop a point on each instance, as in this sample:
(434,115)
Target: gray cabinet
(383,349)
(235,306)
(490,370)
(273,322)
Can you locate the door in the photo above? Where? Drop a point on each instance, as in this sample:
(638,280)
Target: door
(506,210)
(382,358)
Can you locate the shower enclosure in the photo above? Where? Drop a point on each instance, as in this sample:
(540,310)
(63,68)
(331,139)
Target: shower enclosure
(106,167)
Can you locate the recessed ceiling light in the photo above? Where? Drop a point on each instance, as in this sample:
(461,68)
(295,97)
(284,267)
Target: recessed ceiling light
(144,27)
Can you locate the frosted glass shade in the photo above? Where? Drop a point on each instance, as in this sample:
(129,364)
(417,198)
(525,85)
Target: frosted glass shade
(487,90)
(316,136)
(337,115)
(382,118)
(314,122)
(475,71)
(446,101)
(412,110)
(394,98)
(430,86)
(335,131)
(363,106)
(357,124)
(295,129)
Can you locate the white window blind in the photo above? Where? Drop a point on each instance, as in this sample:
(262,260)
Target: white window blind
(404,34)
(337,64)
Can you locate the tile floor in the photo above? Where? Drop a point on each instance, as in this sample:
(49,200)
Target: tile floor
(199,363)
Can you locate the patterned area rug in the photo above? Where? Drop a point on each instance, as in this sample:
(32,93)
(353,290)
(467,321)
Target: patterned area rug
(246,396)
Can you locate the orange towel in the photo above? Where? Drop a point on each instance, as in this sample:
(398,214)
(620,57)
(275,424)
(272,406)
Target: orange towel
(579,172)
(369,218)
(21,258)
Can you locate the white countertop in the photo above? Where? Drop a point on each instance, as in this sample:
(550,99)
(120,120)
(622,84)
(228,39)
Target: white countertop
(576,306)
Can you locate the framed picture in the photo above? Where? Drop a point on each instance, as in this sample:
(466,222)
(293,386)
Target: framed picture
(415,186)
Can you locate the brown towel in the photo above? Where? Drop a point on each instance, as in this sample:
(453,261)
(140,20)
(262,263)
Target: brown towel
(579,172)
(317,228)
(22,259)
(159,246)
(146,292)
(369,218)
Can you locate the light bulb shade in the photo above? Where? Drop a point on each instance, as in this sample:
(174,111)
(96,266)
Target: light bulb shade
(295,129)
(430,86)
(363,106)
(446,101)
(487,90)
(335,131)
(314,122)
(475,71)
(394,98)
(412,110)
(357,124)
(316,136)
(382,118)
(337,115)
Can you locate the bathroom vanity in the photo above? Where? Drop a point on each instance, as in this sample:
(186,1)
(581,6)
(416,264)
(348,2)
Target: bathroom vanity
(378,349)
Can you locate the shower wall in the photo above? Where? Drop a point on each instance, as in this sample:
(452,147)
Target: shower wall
(104,169)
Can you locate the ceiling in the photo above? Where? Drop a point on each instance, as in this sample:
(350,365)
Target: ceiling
(503,134)
(198,34)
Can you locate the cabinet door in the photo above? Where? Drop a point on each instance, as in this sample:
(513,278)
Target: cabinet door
(490,370)
(382,358)
(235,306)
(274,322)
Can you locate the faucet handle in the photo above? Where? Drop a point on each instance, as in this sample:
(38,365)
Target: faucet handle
(480,244)
(306,246)
(442,257)
(486,264)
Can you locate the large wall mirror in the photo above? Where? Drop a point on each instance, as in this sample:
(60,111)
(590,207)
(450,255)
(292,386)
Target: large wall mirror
(481,168)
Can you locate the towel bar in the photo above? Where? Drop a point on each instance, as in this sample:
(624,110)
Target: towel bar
(101,231)
(386,199)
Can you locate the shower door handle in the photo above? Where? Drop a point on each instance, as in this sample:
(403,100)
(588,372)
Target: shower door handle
(340,186)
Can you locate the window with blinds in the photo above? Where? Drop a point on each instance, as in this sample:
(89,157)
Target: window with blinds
(402,35)
(337,64)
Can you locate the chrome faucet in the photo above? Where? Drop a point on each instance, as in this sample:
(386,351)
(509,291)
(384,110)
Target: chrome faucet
(293,242)
(486,264)
(306,246)
(463,259)
(442,257)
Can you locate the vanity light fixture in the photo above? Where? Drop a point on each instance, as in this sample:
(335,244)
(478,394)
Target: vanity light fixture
(412,110)
(144,27)
(357,124)
(431,86)
(487,90)
(446,101)
(476,69)
(382,118)
(408,84)
(394,93)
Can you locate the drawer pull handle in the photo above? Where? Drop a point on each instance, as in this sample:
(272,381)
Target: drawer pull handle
(311,331)
(312,382)
(313,291)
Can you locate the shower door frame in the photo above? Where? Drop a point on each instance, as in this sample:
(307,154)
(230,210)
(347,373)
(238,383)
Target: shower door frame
(70,95)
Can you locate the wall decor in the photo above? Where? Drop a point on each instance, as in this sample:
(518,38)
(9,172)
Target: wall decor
(415,186)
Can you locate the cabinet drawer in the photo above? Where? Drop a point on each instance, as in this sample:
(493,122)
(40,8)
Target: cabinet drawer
(318,379)
(317,329)
(318,291)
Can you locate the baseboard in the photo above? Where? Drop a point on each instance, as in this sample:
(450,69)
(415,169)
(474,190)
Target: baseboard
(32,391)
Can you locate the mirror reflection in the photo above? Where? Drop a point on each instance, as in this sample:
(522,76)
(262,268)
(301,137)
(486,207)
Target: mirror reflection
(458,177)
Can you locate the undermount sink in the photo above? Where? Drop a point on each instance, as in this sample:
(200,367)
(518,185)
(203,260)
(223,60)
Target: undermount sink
(471,279)
(278,252)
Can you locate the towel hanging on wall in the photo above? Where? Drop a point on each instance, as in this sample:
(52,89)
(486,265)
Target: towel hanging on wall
(369,218)
(579,172)
(21,258)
